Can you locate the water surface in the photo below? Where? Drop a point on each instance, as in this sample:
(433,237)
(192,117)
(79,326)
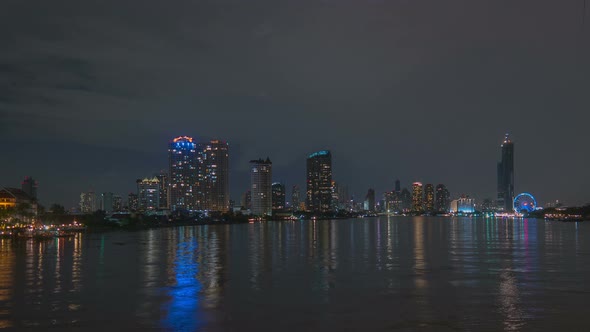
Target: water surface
(380,274)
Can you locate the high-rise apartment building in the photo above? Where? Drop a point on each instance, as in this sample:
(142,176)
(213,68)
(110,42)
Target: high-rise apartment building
(29,186)
(132,202)
(397,186)
(247,200)
(278,196)
(148,194)
(261,186)
(443,198)
(117,203)
(183,171)
(429,198)
(319,181)
(88,202)
(295,198)
(369,204)
(164,198)
(506,176)
(107,202)
(417,198)
(214,175)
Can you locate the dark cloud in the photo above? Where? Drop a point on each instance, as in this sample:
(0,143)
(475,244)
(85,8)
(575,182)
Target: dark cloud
(416,90)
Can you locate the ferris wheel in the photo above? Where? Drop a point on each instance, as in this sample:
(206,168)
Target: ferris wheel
(524,202)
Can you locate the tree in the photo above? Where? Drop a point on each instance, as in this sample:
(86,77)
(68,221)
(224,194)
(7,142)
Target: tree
(57,209)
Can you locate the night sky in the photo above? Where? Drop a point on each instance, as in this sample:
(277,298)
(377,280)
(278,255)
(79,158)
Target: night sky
(92,91)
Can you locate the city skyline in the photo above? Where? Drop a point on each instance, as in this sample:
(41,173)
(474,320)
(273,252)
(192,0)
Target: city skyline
(410,84)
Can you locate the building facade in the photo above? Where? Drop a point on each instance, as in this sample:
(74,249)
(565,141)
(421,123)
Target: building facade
(319,181)
(417,198)
(107,202)
(183,170)
(88,202)
(214,179)
(278,196)
(506,176)
(148,194)
(429,198)
(443,198)
(369,204)
(261,187)
(295,198)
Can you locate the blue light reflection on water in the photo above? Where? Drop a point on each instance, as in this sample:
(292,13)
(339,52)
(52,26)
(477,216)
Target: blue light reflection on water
(182,311)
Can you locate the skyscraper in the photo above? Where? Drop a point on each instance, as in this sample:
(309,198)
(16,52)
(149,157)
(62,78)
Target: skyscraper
(183,162)
(443,198)
(406,200)
(295,198)
(397,186)
(278,196)
(247,200)
(107,202)
(429,198)
(148,194)
(370,200)
(214,181)
(261,186)
(319,181)
(88,202)
(164,184)
(132,202)
(417,198)
(506,176)
(29,186)
(117,203)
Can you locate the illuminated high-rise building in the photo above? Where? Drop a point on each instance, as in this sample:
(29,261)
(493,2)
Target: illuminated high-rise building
(417,198)
(88,202)
(29,186)
(278,196)
(148,194)
(506,176)
(319,181)
(164,198)
(183,161)
(261,187)
(132,202)
(214,175)
(295,198)
(443,198)
(429,198)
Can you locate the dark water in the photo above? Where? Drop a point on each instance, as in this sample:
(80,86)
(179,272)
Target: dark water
(397,274)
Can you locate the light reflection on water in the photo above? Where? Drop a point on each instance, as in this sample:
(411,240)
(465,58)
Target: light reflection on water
(395,273)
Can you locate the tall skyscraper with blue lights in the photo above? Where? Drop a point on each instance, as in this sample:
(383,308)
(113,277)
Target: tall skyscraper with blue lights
(183,161)
(506,176)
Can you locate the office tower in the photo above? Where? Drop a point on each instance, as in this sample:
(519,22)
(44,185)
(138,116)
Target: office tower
(148,194)
(261,186)
(107,202)
(132,202)
(295,198)
(443,198)
(88,202)
(397,186)
(117,203)
(429,198)
(335,200)
(417,198)
(164,198)
(278,196)
(506,176)
(183,162)
(319,181)
(214,175)
(343,197)
(247,200)
(29,186)
(370,200)
(406,200)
